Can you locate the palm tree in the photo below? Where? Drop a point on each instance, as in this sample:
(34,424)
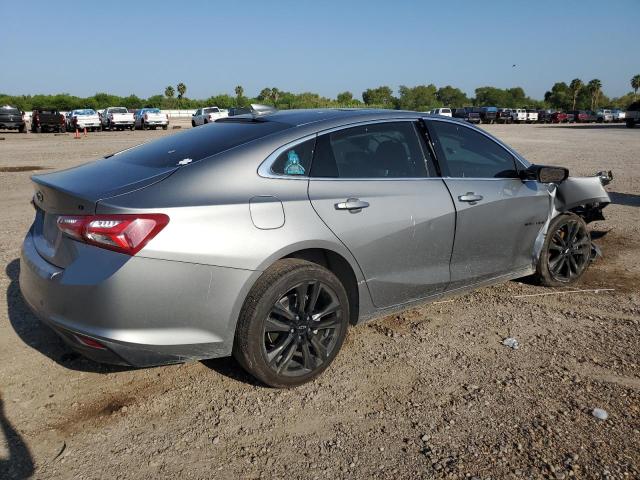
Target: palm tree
(169,92)
(575,86)
(594,87)
(275,94)
(182,89)
(635,84)
(239,91)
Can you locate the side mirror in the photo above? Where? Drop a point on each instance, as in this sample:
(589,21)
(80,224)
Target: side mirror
(545,174)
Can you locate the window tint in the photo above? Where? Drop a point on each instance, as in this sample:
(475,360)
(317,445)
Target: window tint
(470,154)
(296,160)
(382,150)
(197,143)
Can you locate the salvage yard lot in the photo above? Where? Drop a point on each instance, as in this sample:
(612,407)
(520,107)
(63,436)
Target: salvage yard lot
(430,392)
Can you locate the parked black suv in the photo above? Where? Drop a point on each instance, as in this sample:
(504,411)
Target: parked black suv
(47,120)
(467,114)
(12,119)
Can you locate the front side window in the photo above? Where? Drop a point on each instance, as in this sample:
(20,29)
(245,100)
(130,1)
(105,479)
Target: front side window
(466,153)
(295,161)
(381,150)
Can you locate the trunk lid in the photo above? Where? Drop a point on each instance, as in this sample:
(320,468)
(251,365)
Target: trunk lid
(76,192)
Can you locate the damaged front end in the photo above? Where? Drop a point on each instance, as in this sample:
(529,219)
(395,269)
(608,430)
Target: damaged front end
(584,196)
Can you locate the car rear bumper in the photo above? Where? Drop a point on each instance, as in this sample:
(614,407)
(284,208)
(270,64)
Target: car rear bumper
(142,311)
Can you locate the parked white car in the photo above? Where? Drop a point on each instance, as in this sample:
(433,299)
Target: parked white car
(152,118)
(84,118)
(117,118)
(207,114)
(532,116)
(445,112)
(519,115)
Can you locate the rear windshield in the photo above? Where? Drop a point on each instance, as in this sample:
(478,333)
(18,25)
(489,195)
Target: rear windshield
(197,143)
(210,110)
(10,111)
(118,110)
(87,111)
(152,110)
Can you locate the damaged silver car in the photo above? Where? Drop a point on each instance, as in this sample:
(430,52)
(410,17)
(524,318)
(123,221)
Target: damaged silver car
(266,235)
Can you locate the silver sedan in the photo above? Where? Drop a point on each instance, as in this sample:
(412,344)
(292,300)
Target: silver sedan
(266,235)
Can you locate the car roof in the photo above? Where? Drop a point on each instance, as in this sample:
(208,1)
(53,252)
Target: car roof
(338,116)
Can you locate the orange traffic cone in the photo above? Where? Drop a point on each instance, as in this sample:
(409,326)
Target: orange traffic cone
(77,135)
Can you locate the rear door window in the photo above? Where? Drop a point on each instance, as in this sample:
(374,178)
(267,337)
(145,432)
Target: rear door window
(379,150)
(466,153)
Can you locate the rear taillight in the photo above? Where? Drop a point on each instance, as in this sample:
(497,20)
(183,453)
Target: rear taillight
(122,233)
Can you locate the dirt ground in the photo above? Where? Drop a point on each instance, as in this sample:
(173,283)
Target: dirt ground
(429,393)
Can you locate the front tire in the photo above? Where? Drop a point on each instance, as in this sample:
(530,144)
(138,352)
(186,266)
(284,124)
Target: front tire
(292,324)
(566,251)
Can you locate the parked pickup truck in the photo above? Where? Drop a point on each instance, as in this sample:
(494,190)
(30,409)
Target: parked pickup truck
(488,114)
(544,116)
(532,116)
(84,118)
(445,112)
(117,118)
(632,115)
(618,115)
(47,120)
(207,115)
(604,115)
(559,117)
(12,119)
(583,116)
(518,115)
(151,118)
(504,115)
(467,114)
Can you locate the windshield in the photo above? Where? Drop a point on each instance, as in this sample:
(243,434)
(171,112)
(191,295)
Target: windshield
(196,144)
(10,111)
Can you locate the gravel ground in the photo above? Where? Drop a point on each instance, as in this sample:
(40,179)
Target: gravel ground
(429,393)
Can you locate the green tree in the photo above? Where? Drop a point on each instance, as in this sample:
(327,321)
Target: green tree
(420,98)
(344,98)
(560,96)
(452,97)
(595,89)
(169,92)
(575,86)
(182,89)
(239,91)
(264,95)
(382,96)
(635,84)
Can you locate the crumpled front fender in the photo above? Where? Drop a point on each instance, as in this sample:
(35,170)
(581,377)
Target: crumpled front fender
(584,192)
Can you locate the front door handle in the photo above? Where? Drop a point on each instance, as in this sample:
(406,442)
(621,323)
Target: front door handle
(470,197)
(352,204)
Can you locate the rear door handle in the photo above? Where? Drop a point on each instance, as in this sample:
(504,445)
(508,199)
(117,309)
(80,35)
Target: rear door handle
(470,197)
(352,204)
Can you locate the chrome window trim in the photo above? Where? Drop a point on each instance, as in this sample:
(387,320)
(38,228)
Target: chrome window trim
(264,170)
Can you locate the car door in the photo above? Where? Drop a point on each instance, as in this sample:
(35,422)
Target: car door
(499,216)
(371,186)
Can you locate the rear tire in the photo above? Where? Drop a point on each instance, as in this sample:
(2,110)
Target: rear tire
(566,252)
(193,124)
(164,127)
(292,324)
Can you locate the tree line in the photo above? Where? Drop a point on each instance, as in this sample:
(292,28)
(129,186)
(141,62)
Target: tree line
(576,95)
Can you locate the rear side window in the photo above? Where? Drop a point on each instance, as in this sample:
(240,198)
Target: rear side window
(295,161)
(381,150)
(470,154)
(197,143)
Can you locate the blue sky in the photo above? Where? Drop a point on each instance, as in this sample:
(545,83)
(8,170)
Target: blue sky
(323,46)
